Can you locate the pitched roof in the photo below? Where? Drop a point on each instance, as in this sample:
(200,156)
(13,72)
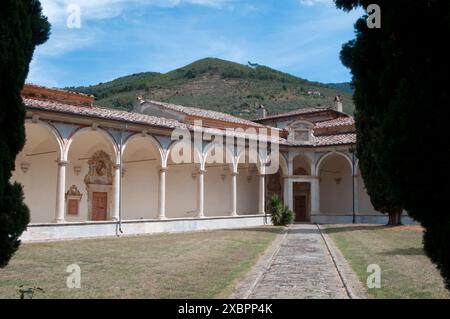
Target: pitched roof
(340,139)
(340,121)
(102,113)
(50,100)
(138,118)
(197,112)
(302,111)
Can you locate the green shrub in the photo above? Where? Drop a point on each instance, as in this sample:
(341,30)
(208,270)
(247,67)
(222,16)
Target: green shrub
(281,215)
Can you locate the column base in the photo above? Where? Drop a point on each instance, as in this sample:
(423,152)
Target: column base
(233,214)
(161,217)
(60,221)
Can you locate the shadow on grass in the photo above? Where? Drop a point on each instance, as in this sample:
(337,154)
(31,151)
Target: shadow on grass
(405,252)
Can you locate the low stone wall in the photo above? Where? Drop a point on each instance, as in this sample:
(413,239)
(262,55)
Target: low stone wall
(360,219)
(44,232)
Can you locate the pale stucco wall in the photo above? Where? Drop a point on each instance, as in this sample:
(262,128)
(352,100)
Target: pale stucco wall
(247,192)
(140,191)
(39,185)
(39,182)
(181,191)
(336,198)
(217,192)
(78,181)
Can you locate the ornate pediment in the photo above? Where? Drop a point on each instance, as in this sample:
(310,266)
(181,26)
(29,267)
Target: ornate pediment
(100,169)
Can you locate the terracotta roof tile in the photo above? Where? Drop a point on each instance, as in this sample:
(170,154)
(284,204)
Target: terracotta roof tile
(340,139)
(112,114)
(296,112)
(193,111)
(340,121)
(103,113)
(138,118)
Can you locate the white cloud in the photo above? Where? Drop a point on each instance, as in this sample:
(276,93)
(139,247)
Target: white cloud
(311,3)
(56,10)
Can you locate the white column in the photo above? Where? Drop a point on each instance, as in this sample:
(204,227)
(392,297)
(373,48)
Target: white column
(201,193)
(355,189)
(162,193)
(262,194)
(315,196)
(290,194)
(285,191)
(116,190)
(60,192)
(233,194)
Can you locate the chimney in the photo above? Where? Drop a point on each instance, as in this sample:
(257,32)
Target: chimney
(338,104)
(261,112)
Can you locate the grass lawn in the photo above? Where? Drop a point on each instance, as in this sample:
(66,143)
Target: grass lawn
(187,265)
(406,271)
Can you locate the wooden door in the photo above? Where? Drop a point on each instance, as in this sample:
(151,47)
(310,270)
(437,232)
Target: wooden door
(99,206)
(300,209)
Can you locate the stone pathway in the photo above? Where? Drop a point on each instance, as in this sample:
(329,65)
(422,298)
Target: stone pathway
(301,268)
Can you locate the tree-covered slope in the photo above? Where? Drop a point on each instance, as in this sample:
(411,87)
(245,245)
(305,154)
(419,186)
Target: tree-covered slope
(222,86)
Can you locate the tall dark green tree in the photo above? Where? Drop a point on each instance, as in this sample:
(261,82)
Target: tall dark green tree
(22,28)
(400,74)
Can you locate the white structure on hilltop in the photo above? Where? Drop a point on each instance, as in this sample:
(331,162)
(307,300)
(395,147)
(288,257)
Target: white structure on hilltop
(89,171)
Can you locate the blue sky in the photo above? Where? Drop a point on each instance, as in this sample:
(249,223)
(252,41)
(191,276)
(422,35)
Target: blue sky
(120,37)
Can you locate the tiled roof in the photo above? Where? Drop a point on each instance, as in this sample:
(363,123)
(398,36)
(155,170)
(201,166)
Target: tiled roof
(144,119)
(103,113)
(30,85)
(193,111)
(138,118)
(340,139)
(340,121)
(296,112)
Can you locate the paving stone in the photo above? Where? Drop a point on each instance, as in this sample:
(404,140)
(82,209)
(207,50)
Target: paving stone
(302,268)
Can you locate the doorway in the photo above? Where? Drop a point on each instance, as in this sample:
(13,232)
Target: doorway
(99,206)
(301,202)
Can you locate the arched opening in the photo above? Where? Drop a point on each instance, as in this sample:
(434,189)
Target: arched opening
(183,165)
(91,156)
(301,166)
(275,182)
(141,162)
(247,184)
(36,170)
(219,167)
(336,187)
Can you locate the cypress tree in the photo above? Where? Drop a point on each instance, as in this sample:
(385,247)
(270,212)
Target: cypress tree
(400,74)
(22,28)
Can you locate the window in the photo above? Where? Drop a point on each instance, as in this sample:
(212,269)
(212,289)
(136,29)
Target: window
(301,135)
(301,131)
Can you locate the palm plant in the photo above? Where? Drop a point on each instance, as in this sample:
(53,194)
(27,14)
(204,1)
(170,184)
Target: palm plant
(281,215)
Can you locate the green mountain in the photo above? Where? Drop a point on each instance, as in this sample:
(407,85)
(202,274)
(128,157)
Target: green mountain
(346,87)
(220,85)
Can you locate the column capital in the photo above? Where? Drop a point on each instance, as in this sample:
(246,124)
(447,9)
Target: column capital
(163,169)
(116,166)
(201,171)
(234,173)
(62,163)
